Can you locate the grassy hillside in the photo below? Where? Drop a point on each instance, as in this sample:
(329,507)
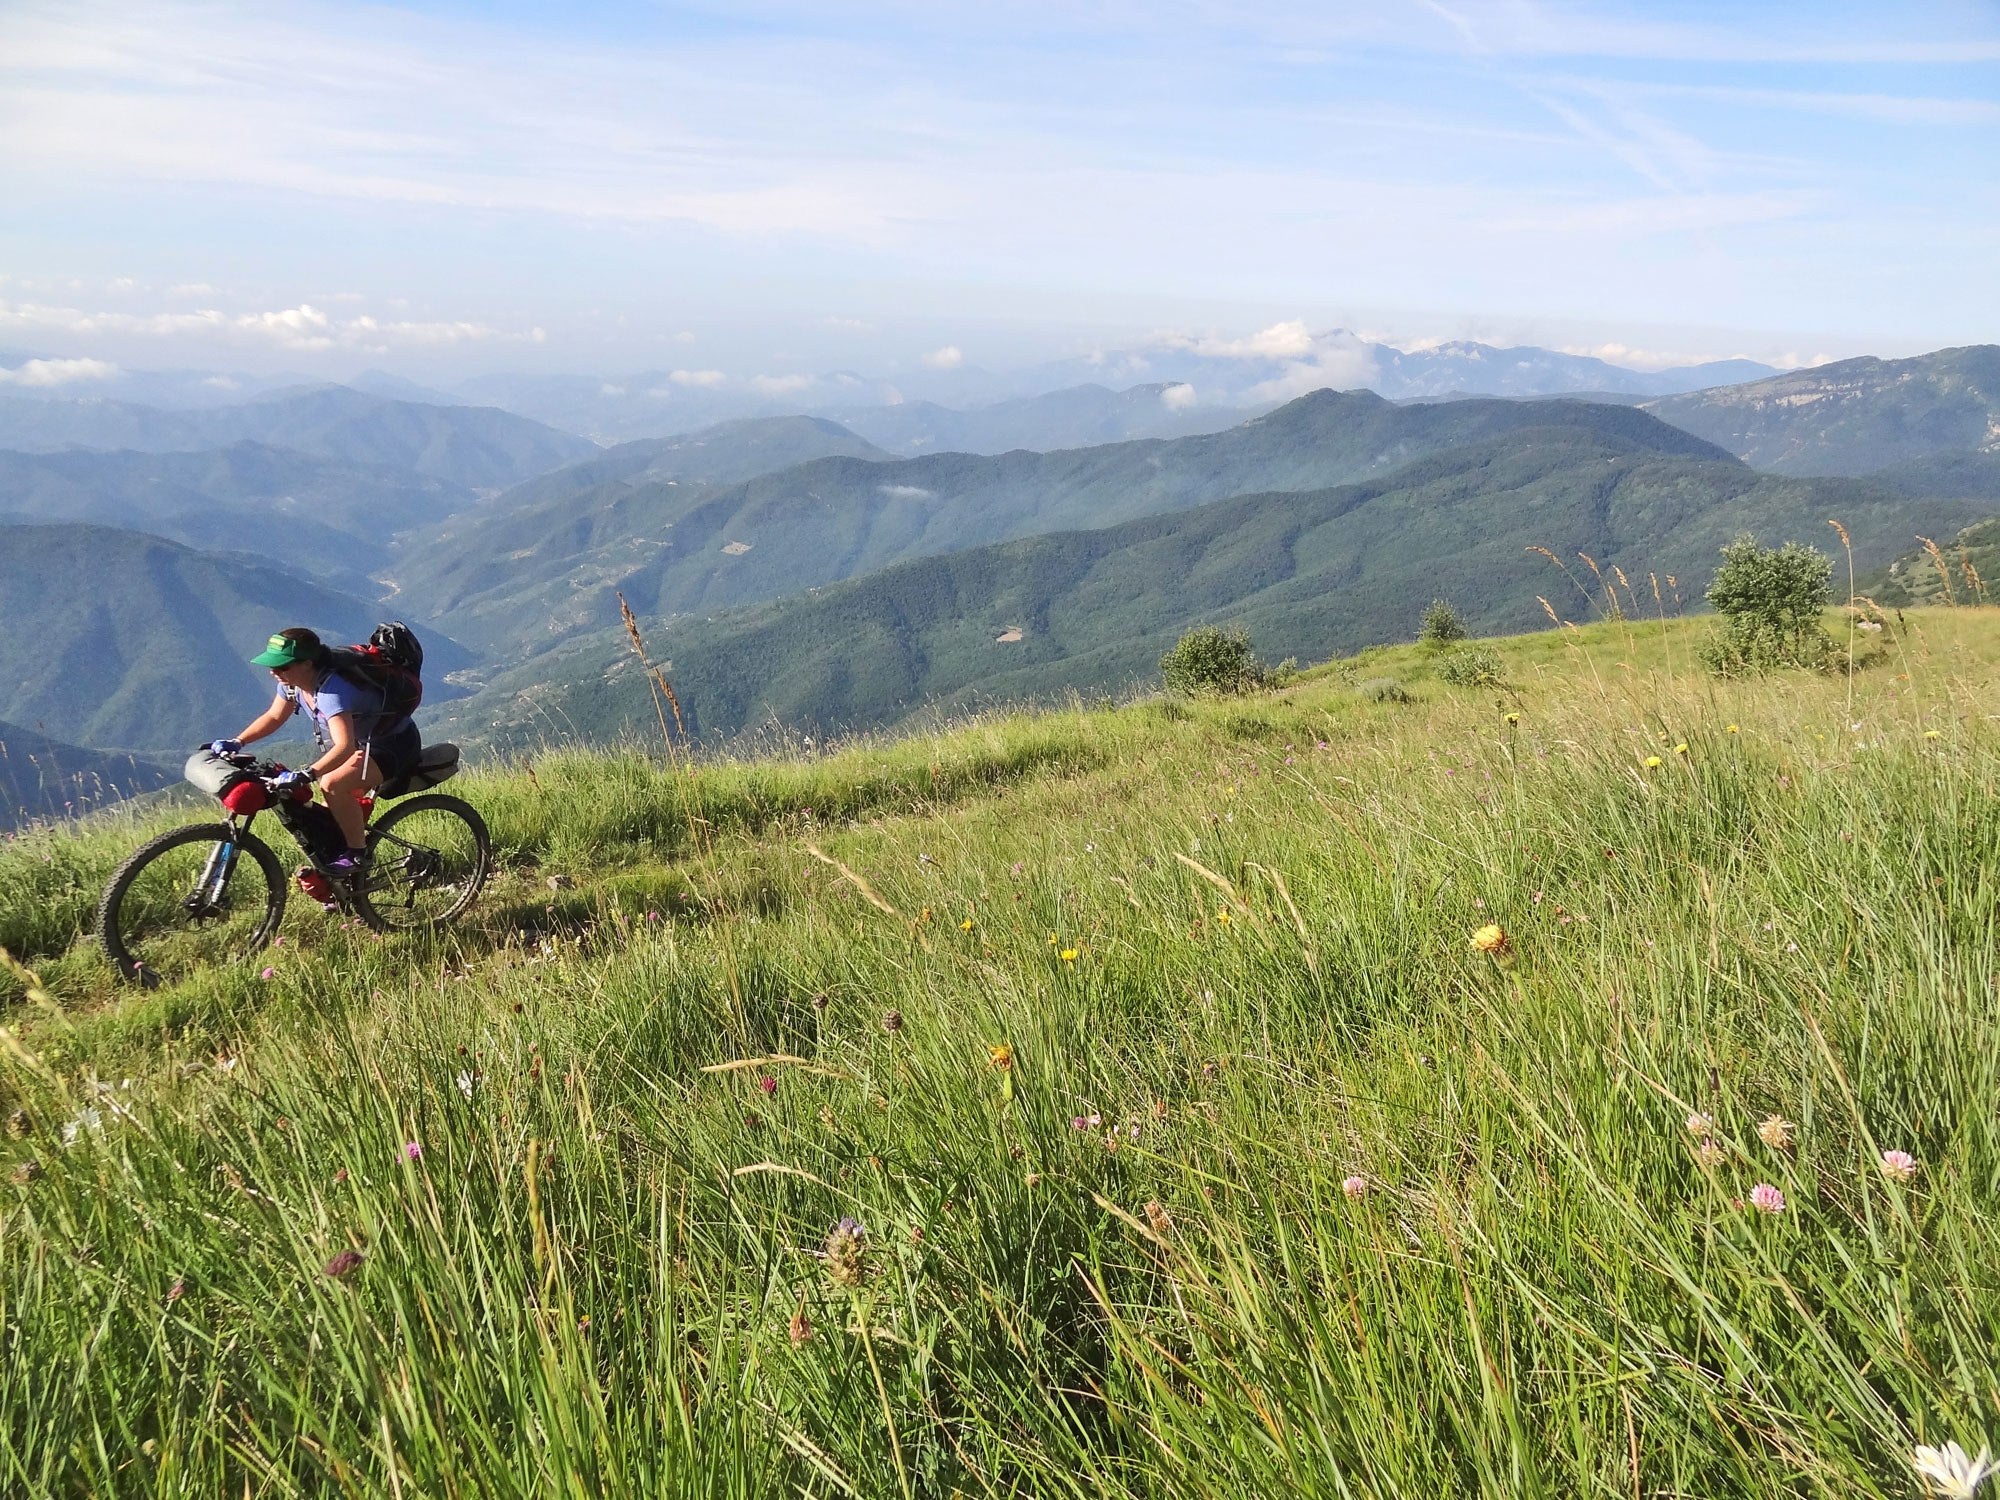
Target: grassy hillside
(1854,416)
(1190,1145)
(534,576)
(1308,574)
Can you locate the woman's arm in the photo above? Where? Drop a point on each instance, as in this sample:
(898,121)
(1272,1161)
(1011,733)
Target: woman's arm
(339,729)
(268,722)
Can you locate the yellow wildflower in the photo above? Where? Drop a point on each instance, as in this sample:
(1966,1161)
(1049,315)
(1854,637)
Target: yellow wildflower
(1492,938)
(1069,955)
(1681,749)
(1732,729)
(1223,918)
(966,925)
(1513,718)
(1001,1056)
(1933,734)
(1653,762)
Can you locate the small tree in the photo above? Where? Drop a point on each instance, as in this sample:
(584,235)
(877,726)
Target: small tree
(1441,625)
(1209,659)
(1770,599)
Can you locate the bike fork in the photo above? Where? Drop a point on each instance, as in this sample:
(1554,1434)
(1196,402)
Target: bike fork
(215,875)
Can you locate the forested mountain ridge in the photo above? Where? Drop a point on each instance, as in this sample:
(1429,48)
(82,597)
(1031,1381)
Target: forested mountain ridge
(330,519)
(154,656)
(520,581)
(478,447)
(1855,416)
(1310,573)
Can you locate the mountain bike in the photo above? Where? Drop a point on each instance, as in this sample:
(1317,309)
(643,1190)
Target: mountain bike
(215,892)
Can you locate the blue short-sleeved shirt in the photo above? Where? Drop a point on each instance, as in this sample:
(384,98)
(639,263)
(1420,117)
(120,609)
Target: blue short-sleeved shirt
(363,705)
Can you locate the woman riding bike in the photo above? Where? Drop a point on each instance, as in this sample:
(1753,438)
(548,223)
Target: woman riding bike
(363,742)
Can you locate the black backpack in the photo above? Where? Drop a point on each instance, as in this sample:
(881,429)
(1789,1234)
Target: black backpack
(391,661)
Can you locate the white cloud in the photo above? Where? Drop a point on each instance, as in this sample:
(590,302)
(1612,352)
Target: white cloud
(705,379)
(43,372)
(1633,358)
(608,389)
(950,357)
(1177,397)
(908,492)
(848,325)
(779,385)
(304,328)
(1280,341)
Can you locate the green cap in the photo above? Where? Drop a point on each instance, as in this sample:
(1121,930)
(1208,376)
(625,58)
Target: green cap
(282,651)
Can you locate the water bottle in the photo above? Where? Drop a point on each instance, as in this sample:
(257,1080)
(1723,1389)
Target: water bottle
(317,886)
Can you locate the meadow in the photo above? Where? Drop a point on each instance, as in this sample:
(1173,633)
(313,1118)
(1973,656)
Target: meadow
(1580,1087)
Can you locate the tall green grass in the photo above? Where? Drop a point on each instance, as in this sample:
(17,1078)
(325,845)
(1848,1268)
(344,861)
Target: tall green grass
(1278,1186)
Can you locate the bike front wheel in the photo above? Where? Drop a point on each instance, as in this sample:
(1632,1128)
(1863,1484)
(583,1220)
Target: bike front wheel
(190,899)
(428,858)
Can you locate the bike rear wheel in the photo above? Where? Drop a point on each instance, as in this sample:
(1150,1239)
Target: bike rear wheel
(428,858)
(187,900)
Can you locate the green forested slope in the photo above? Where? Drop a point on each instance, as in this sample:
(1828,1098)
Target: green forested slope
(329,519)
(1310,574)
(112,637)
(1854,416)
(530,578)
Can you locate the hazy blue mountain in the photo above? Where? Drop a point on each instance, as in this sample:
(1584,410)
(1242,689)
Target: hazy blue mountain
(1853,417)
(46,778)
(521,581)
(477,447)
(724,454)
(1265,369)
(1310,574)
(399,388)
(1081,417)
(330,520)
(113,637)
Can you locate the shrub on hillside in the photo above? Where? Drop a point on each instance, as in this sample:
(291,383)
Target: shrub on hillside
(1383,690)
(1470,667)
(1442,625)
(1770,599)
(1209,660)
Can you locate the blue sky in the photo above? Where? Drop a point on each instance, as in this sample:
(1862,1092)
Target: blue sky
(771,186)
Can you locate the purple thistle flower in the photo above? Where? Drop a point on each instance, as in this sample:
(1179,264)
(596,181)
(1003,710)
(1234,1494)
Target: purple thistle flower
(344,1264)
(413,1149)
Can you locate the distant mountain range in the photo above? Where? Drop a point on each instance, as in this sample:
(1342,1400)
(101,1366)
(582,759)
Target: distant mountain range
(328,519)
(1853,417)
(1310,574)
(973,410)
(1287,360)
(45,778)
(478,448)
(522,579)
(114,637)
(1083,416)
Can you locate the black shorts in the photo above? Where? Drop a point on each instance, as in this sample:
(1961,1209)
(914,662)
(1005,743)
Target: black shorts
(395,754)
